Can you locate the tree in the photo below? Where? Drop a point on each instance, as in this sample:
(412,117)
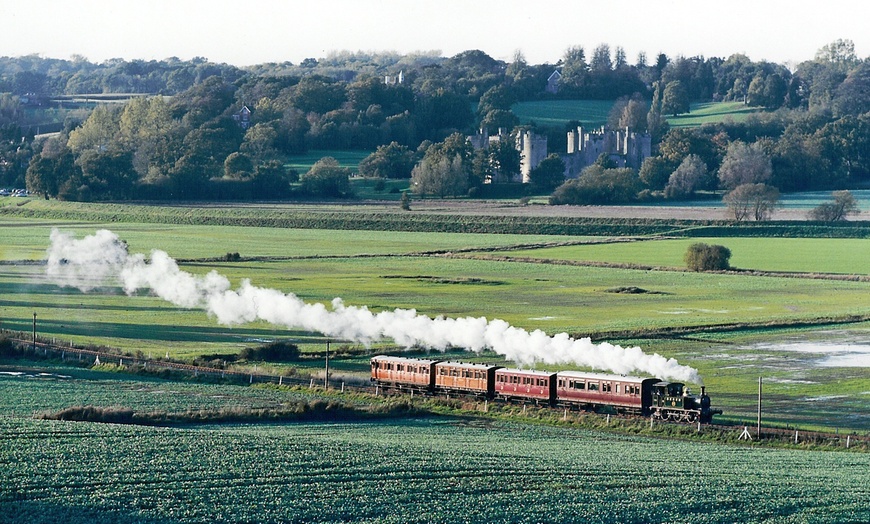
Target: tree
(752,200)
(439,175)
(655,172)
(46,174)
(327,178)
(549,174)
(389,161)
(744,164)
(238,166)
(843,204)
(675,98)
(97,132)
(687,178)
(109,175)
(503,158)
(704,257)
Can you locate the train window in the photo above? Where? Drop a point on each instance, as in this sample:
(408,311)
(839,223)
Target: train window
(561,383)
(616,388)
(593,386)
(605,387)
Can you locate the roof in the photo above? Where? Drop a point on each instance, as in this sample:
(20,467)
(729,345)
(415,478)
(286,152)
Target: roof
(602,376)
(527,372)
(466,365)
(403,360)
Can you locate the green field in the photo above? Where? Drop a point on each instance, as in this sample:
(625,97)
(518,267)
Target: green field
(711,113)
(348,159)
(594,113)
(437,469)
(557,113)
(807,255)
(384,270)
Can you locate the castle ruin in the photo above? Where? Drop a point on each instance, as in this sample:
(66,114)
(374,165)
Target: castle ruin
(624,147)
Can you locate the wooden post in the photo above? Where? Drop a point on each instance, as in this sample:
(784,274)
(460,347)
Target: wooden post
(651,420)
(486,406)
(758,430)
(326,375)
(34,331)
(848,440)
(795,436)
(608,419)
(565,416)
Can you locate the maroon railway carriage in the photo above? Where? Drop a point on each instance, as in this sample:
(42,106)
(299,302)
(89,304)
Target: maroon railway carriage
(591,390)
(404,373)
(522,385)
(476,379)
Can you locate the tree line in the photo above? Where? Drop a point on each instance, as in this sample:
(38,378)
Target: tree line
(185,141)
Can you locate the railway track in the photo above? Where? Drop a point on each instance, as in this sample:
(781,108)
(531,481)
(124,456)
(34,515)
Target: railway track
(749,433)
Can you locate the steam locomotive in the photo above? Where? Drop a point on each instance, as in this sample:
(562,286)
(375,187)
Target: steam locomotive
(570,389)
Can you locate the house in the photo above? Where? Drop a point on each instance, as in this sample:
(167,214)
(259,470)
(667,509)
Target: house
(553,82)
(243,117)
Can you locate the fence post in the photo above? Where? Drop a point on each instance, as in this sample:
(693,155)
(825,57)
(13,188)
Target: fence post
(795,436)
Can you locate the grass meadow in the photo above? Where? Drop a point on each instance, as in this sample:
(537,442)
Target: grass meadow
(594,113)
(557,113)
(384,271)
(348,159)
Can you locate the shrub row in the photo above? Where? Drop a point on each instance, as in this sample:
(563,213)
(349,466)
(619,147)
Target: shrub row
(446,223)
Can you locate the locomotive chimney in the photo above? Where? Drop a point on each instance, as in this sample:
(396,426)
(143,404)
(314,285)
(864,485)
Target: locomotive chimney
(703,390)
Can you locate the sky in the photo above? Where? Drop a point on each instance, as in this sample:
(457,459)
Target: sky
(251,32)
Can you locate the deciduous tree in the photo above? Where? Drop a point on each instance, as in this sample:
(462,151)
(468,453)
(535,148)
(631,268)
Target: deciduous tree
(842,205)
(755,201)
(744,164)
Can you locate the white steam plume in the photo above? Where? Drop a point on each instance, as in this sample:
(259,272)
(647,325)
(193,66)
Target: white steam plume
(102,258)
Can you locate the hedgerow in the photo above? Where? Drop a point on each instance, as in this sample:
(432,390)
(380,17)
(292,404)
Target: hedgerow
(430,222)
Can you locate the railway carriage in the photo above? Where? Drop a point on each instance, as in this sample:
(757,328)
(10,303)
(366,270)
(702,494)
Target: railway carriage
(404,373)
(591,390)
(461,377)
(524,385)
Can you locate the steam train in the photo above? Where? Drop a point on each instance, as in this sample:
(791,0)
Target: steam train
(569,389)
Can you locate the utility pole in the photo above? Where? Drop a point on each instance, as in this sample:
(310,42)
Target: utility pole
(34,331)
(326,376)
(758,430)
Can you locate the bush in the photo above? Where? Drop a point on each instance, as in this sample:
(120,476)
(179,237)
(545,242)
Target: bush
(275,352)
(704,257)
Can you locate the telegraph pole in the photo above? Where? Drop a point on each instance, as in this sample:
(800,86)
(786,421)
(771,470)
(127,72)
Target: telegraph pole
(758,430)
(326,376)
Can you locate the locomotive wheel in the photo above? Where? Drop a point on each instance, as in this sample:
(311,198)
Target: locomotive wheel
(691,417)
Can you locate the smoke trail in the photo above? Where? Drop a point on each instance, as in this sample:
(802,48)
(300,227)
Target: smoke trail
(102,258)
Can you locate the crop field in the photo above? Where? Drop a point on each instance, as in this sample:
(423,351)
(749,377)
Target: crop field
(418,470)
